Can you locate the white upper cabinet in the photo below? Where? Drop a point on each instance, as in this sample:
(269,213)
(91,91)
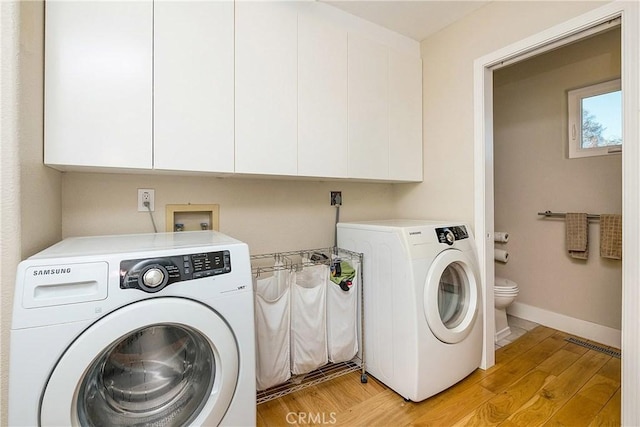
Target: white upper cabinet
(193,122)
(98,84)
(385,112)
(368,109)
(322,96)
(266,87)
(288,88)
(405,117)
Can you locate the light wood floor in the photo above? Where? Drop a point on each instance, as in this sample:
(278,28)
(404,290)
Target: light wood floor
(539,379)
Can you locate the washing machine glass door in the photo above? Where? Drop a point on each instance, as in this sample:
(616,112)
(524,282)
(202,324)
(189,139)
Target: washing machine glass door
(451,296)
(165,361)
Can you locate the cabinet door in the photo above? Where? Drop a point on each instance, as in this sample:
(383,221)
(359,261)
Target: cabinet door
(368,109)
(405,117)
(98,90)
(266,87)
(322,97)
(193,86)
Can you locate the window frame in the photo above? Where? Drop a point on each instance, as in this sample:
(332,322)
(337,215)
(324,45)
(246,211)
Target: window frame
(574,125)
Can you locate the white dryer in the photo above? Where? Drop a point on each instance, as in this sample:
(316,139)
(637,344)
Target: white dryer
(422,323)
(149,329)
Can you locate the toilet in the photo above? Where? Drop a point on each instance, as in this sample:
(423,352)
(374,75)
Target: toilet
(504,292)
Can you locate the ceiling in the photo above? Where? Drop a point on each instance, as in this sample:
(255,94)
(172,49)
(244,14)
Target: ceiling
(415,19)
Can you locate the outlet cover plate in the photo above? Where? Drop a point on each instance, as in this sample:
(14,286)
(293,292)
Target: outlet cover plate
(336,198)
(145,194)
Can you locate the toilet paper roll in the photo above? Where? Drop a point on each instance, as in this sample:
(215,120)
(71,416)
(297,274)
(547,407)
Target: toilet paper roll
(501,237)
(501,255)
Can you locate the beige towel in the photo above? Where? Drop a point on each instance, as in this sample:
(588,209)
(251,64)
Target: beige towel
(611,236)
(577,235)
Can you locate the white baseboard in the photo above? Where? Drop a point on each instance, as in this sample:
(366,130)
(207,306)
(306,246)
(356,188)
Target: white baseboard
(581,328)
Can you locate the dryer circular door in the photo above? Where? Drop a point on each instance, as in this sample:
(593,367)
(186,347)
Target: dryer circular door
(451,296)
(162,361)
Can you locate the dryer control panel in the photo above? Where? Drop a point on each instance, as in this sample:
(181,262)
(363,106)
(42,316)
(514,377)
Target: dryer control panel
(449,235)
(154,274)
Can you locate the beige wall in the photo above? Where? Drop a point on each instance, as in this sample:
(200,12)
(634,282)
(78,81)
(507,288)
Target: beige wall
(269,214)
(30,192)
(9,184)
(533,173)
(448,188)
(40,186)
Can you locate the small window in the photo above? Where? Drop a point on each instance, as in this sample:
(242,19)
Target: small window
(595,120)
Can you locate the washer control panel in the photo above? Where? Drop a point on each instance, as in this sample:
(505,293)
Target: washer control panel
(449,235)
(154,274)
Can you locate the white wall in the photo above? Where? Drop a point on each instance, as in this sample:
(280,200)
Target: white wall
(30,192)
(533,173)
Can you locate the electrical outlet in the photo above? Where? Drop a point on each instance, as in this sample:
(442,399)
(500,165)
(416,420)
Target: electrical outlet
(336,198)
(146,195)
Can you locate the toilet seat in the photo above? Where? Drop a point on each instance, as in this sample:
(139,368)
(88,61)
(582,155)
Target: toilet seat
(507,294)
(504,286)
(500,290)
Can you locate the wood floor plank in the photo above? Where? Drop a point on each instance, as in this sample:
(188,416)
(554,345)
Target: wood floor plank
(470,381)
(609,416)
(523,344)
(347,390)
(578,411)
(313,401)
(612,369)
(452,407)
(600,389)
(272,413)
(523,363)
(545,348)
(508,375)
(479,374)
(559,361)
(325,398)
(386,408)
(260,422)
(499,408)
(553,396)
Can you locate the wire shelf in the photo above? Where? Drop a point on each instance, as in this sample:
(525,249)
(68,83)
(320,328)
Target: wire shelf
(299,382)
(296,260)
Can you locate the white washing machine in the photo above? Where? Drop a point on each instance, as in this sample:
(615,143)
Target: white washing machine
(148,329)
(422,322)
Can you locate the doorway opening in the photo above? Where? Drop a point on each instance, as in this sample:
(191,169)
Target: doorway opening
(534,173)
(484,181)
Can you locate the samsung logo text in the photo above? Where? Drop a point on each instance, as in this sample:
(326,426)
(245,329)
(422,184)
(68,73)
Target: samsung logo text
(51,271)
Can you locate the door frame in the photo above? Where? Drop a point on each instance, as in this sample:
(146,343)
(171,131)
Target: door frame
(629,11)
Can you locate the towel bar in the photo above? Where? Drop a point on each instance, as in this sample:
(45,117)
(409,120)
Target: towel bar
(562,215)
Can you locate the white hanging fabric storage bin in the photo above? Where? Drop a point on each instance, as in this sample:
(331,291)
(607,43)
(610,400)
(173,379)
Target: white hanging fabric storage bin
(308,319)
(342,309)
(272,317)
(316,332)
